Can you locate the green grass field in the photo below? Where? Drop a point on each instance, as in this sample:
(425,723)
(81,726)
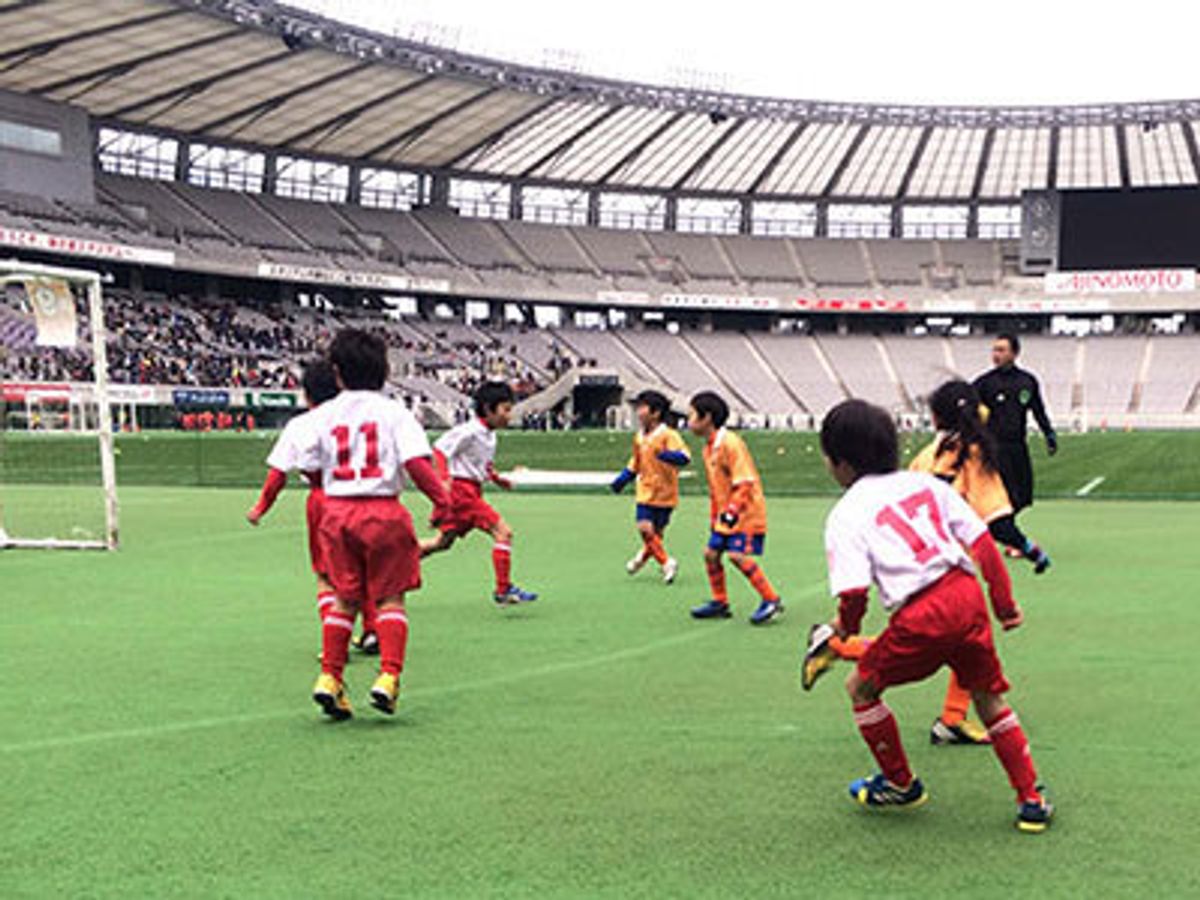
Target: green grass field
(158,739)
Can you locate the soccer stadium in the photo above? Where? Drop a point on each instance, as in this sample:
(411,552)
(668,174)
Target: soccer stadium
(265,265)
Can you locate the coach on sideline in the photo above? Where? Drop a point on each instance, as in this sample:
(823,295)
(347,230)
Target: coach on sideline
(1009,393)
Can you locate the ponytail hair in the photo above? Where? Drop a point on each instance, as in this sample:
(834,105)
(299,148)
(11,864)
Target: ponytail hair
(955,408)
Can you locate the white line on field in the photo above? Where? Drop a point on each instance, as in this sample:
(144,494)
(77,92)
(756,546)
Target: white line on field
(1090,486)
(168,728)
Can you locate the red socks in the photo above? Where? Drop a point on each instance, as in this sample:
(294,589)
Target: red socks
(654,548)
(502,563)
(758,579)
(336,629)
(716,581)
(392,629)
(877,725)
(1012,748)
(325,601)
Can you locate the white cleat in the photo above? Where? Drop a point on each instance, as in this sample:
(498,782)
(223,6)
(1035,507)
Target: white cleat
(635,565)
(670,570)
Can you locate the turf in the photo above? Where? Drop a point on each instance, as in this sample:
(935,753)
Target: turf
(158,739)
(1149,465)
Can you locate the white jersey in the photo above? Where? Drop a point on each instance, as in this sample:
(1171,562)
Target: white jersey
(295,448)
(470,449)
(361,440)
(901,532)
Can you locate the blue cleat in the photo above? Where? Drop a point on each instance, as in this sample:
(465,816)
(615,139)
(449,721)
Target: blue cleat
(767,610)
(513,596)
(713,609)
(877,792)
(1034,816)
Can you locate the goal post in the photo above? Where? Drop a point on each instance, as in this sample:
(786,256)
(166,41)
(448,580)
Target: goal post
(58,479)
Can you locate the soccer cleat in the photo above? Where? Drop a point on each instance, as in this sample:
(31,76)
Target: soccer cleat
(877,792)
(818,657)
(513,596)
(1041,562)
(330,694)
(767,610)
(635,565)
(713,609)
(367,643)
(1034,816)
(384,692)
(670,570)
(965,732)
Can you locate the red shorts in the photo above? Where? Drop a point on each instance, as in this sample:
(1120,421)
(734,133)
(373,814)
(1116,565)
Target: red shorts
(947,624)
(370,548)
(312,512)
(468,509)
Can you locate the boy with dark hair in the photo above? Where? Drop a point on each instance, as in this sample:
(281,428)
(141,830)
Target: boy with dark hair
(906,533)
(363,443)
(737,512)
(658,455)
(465,457)
(320,384)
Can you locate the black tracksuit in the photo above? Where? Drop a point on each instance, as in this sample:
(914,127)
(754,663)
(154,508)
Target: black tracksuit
(1010,394)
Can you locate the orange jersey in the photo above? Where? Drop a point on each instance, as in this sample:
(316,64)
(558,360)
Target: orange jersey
(980,486)
(657,481)
(728,464)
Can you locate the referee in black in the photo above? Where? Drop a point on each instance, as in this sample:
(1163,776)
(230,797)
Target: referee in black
(1010,393)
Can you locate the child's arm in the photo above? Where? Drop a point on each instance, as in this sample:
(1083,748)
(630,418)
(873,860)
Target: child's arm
(505,484)
(275,482)
(852,606)
(420,470)
(995,573)
(625,476)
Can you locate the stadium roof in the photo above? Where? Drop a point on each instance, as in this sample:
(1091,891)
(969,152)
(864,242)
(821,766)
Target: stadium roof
(261,74)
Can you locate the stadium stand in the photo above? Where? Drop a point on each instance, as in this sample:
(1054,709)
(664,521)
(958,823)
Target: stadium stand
(1111,371)
(834,262)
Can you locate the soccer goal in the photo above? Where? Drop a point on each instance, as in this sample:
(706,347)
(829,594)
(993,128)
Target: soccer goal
(58,482)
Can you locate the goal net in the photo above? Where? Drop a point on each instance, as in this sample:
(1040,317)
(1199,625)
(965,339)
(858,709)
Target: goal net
(57,472)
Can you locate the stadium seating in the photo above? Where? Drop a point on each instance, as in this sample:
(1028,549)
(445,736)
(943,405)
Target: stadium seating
(1173,375)
(900,261)
(859,363)
(797,361)
(833,262)
(1111,370)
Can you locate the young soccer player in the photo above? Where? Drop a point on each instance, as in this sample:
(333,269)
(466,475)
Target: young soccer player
(963,454)
(465,456)
(658,455)
(362,441)
(737,512)
(906,533)
(319,384)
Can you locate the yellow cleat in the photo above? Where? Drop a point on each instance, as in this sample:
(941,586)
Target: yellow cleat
(330,694)
(965,732)
(384,692)
(818,657)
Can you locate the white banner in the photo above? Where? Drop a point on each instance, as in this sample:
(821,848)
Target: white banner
(688,301)
(1034,305)
(1122,281)
(379,281)
(76,246)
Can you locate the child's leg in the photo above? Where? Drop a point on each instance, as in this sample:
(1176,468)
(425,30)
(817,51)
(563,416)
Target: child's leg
(755,575)
(652,547)
(852,647)
(444,541)
(392,629)
(878,728)
(370,617)
(958,701)
(502,537)
(326,597)
(716,575)
(1009,742)
(336,629)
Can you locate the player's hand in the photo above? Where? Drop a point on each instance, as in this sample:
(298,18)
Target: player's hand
(440,515)
(1051,443)
(254,516)
(1013,621)
(729,517)
(505,484)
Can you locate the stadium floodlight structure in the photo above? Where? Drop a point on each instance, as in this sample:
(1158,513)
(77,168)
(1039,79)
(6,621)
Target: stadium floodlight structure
(58,482)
